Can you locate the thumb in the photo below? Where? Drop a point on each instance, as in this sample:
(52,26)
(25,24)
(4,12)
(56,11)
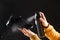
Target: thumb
(42,20)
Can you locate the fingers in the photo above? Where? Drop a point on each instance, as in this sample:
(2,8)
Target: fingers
(20,29)
(42,20)
(42,15)
(24,30)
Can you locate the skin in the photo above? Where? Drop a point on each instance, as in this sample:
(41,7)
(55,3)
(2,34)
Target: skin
(28,32)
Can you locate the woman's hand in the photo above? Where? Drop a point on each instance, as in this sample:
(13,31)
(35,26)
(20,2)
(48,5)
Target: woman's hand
(43,19)
(26,32)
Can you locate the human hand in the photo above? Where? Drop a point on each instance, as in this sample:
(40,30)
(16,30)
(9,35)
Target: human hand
(43,19)
(26,32)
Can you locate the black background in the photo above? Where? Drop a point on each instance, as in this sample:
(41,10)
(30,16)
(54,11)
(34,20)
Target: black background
(26,8)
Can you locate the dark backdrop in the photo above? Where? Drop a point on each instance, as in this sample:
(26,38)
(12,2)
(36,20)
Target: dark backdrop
(27,8)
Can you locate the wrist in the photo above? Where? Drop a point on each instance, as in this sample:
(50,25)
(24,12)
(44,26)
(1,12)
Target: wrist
(46,25)
(32,34)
